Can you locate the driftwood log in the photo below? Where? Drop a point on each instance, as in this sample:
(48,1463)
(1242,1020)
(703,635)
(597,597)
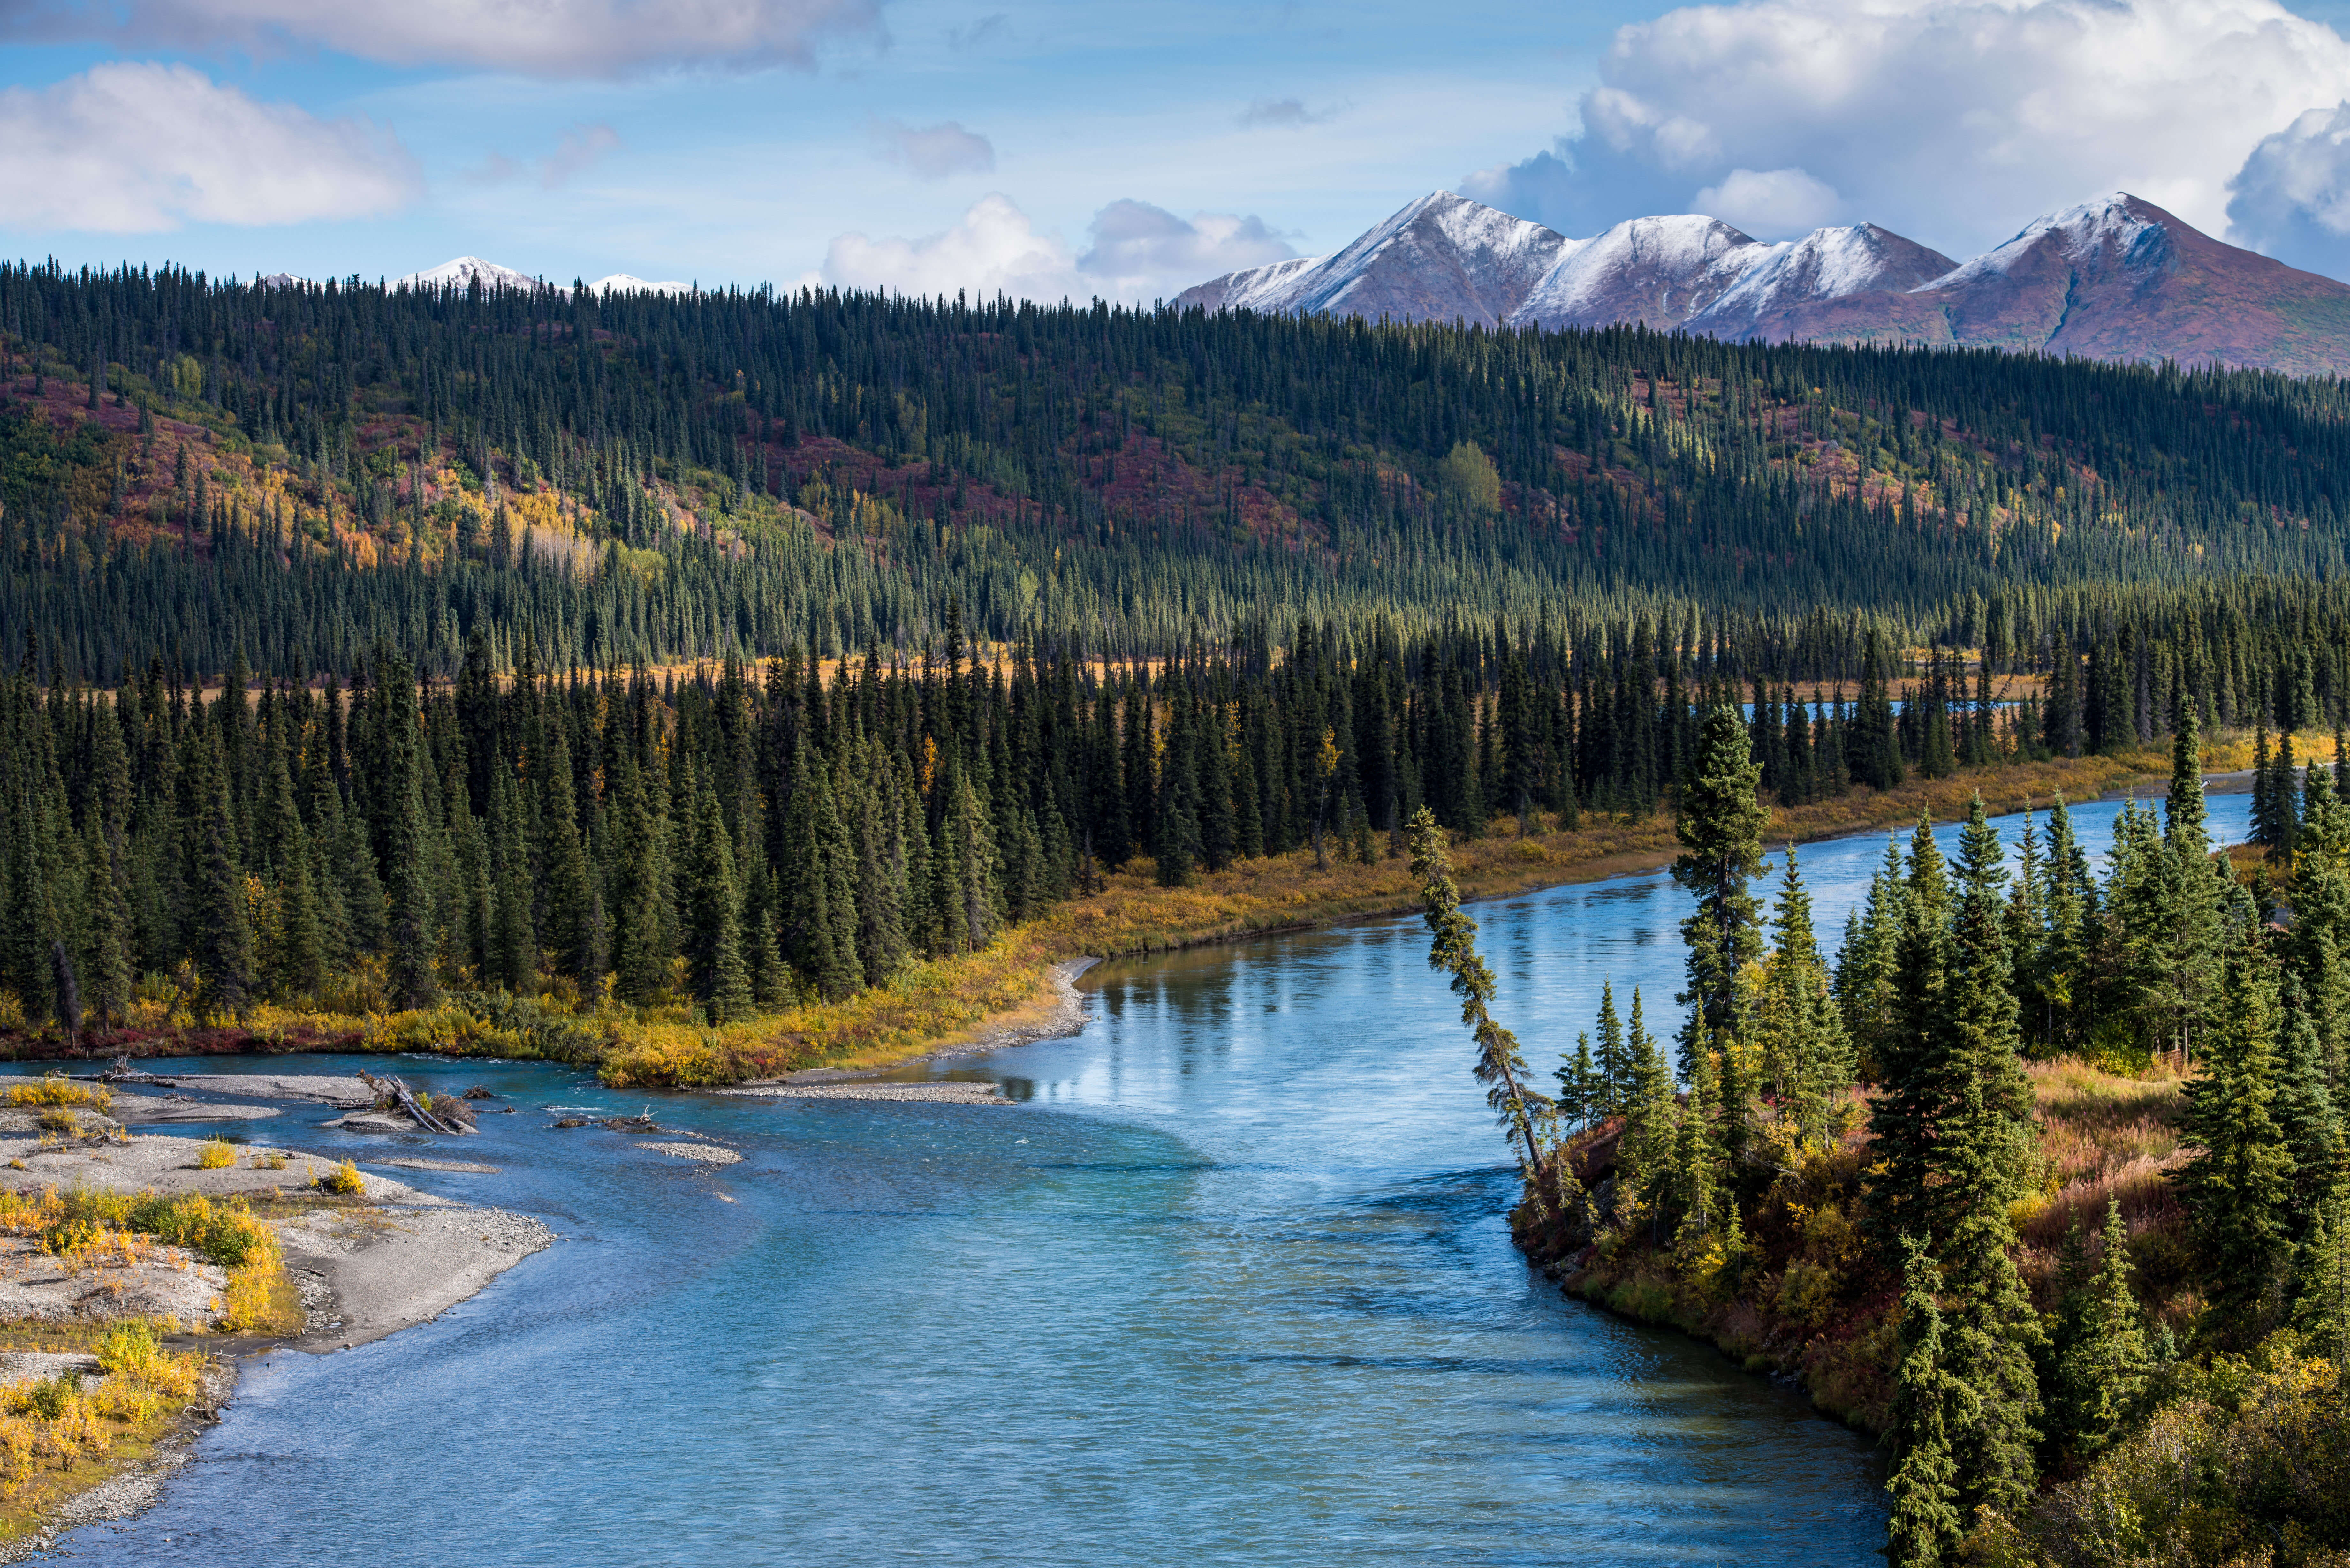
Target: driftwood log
(408,1102)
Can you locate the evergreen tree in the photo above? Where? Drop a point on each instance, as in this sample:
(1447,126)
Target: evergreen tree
(1926,1071)
(406,867)
(1994,1333)
(714,934)
(1453,948)
(222,932)
(2105,1365)
(2234,1185)
(1984,1022)
(1581,1088)
(2322,1302)
(1806,1060)
(1867,981)
(1720,832)
(1618,1072)
(1930,1404)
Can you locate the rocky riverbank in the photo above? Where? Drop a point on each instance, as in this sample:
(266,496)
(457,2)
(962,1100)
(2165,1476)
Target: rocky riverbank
(112,1226)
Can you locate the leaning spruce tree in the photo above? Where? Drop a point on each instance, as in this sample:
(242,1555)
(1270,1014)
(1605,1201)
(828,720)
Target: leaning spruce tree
(1453,947)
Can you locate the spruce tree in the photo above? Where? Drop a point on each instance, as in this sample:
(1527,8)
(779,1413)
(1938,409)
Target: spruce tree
(1994,1333)
(223,935)
(1618,1073)
(1806,1059)
(1924,1069)
(818,924)
(2235,1183)
(2322,1298)
(1925,1528)
(107,969)
(569,914)
(406,868)
(1579,1085)
(713,936)
(1720,832)
(1501,1068)
(1867,978)
(1644,1150)
(2105,1365)
(1985,1012)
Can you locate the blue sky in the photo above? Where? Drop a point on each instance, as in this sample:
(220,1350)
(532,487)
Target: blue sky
(1056,148)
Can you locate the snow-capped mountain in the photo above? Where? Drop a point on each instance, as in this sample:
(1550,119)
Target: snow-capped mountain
(1824,265)
(281,280)
(1652,271)
(1266,288)
(623,282)
(1443,258)
(461,272)
(2115,278)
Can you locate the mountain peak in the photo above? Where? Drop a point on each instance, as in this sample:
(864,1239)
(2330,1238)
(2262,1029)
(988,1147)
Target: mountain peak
(1442,258)
(460,273)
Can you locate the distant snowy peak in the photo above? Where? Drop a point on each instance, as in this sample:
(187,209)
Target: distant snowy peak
(2115,227)
(1824,265)
(1266,288)
(1442,258)
(461,273)
(281,280)
(1657,272)
(623,282)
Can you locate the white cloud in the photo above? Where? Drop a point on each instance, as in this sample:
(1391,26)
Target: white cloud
(1954,121)
(1139,253)
(1772,202)
(1139,250)
(131,147)
(990,249)
(535,37)
(2291,198)
(935,152)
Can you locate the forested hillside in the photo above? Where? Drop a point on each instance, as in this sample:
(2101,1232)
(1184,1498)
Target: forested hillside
(206,471)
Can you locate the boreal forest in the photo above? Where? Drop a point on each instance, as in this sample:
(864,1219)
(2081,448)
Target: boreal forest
(687,685)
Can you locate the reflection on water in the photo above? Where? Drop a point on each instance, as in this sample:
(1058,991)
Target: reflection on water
(1228,1284)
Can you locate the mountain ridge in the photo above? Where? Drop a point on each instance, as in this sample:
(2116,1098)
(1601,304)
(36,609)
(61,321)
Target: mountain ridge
(2112,278)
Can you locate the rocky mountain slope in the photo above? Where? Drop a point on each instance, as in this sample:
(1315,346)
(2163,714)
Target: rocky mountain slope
(1443,258)
(2115,278)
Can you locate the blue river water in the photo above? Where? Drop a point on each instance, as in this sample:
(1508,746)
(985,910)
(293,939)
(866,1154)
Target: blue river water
(1228,1284)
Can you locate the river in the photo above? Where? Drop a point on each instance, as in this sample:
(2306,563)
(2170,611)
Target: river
(1230,1284)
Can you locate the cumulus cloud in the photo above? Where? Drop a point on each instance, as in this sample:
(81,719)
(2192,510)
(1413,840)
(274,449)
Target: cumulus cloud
(1281,111)
(2291,198)
(1138,249)
(1138,253)
(1952,121)
(536,37)
(935,152)
(130,147)
(991,249)
(1776,201)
